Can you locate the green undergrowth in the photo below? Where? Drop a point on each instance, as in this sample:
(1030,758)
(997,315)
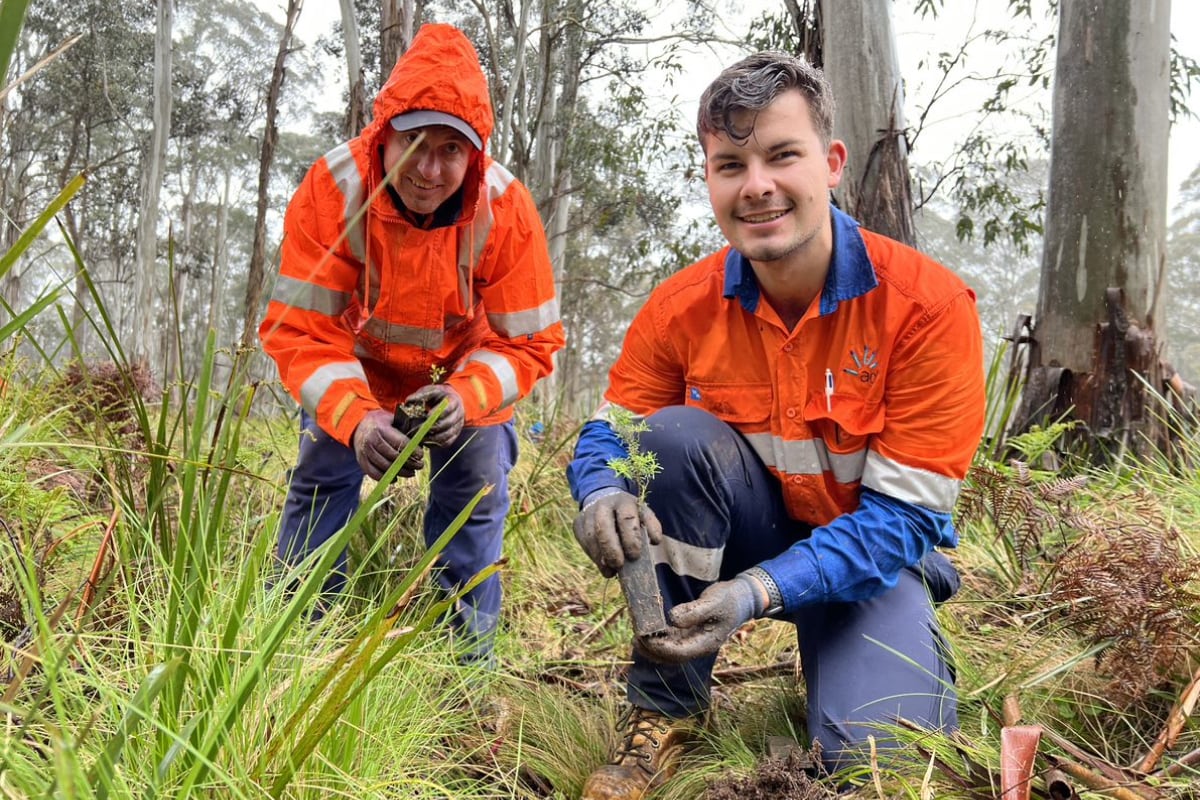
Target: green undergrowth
(150,645)
(180,679)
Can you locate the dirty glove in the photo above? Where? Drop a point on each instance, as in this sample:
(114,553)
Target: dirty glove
(450,423)
(609,528)
(700,627)
(377,444)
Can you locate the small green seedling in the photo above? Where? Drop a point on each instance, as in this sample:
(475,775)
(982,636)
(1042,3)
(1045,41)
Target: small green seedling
(639,582)
(410,416)
(639,467)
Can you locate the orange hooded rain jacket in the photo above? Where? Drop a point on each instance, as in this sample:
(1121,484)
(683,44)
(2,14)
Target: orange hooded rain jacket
(368,305)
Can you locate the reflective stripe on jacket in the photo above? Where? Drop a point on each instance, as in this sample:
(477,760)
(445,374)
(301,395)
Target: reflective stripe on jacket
(880,385)
(368,306)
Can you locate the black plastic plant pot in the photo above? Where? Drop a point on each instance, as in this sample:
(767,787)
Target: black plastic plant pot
(408,419)
(639,583)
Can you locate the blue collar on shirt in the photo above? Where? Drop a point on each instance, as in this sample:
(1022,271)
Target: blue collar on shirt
(850,271)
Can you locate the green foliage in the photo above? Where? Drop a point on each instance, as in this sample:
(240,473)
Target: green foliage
(1185,72)
(1039,441)
(991,206)
(929,8)
(638,466)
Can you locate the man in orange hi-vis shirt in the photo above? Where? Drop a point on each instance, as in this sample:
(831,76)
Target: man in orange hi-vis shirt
(814,395)
(408,255)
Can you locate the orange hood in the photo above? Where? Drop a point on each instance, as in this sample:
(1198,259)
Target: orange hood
(440,71)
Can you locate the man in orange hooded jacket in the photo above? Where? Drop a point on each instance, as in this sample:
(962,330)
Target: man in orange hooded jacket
(409,254)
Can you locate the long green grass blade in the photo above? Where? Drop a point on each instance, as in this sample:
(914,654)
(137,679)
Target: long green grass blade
(38,225)
(380,617)
(106,329)
(12,17)
(19,321)
(100,776)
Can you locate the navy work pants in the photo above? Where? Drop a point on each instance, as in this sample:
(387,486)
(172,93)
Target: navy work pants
(323,493)
(864,663)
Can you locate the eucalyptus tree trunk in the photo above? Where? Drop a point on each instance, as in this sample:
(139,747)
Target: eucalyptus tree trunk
(180,308)
(396,28)
(564,67)
(502,138)
(258,255)
(860,60)
(356,111)
(1103,263)
(220,254)
(14,189)
(145,278)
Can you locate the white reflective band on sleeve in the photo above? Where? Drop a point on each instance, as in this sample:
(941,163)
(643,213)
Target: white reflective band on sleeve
(319,382)
(502,369)
(310,297)
(701,563)
(525,323)
(910,484)
(345,174)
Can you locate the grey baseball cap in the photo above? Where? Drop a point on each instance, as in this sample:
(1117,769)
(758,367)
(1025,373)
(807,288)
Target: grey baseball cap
(421,119)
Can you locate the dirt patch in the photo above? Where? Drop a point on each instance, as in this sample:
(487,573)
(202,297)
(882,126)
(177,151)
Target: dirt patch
(12,615)
(774,779)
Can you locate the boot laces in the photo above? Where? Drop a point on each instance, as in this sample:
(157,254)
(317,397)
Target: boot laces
(644,733)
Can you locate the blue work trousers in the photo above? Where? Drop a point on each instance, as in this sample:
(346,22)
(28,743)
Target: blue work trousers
(864,663)
(323,493)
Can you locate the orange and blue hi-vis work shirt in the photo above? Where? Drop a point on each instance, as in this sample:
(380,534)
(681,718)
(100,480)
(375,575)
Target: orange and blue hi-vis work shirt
(368,305)
(868,411)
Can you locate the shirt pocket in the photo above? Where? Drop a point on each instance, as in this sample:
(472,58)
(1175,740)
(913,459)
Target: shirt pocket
(844,425)
(740,404)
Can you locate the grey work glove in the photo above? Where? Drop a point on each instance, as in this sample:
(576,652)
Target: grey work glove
(700,627)
(449,423)
(377,444)
(609,529)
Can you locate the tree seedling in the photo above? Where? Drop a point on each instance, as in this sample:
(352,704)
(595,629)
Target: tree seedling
(410,416)
(639,583)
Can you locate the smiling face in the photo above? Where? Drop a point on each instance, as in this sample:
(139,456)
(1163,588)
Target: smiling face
(770,193)
(433,172)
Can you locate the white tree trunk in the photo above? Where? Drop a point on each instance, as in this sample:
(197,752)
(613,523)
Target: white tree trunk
(396,23)
(861,63)
(356,114)
(1103,258)
(216,295)
(1106,209)
(146,280)
(258,254)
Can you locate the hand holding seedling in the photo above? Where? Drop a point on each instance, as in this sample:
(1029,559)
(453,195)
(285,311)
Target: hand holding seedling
(377,444)
(449,423)
(608,528)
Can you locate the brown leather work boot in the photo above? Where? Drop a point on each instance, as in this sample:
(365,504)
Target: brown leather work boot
(644,759)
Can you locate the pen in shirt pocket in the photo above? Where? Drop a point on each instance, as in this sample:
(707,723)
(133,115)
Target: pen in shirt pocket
(829,390)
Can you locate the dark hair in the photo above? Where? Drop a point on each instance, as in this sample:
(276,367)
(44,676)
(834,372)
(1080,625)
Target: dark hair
(752,84)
